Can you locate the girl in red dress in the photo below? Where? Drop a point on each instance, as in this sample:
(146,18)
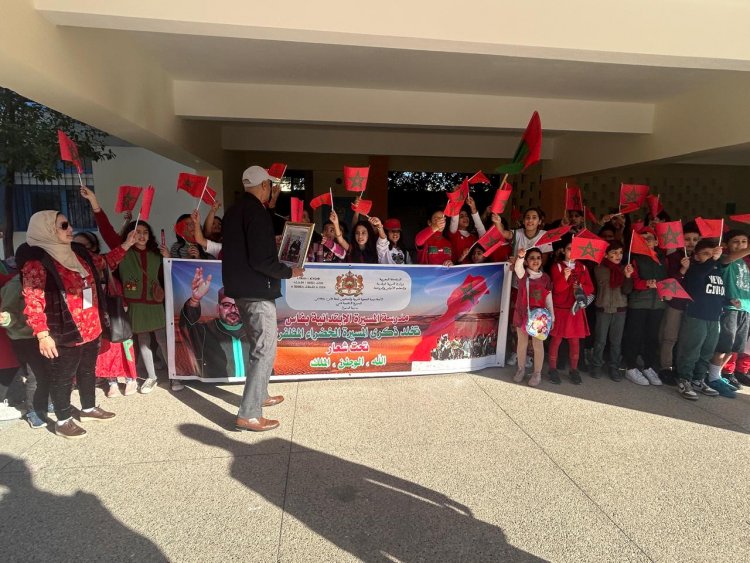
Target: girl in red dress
(528,267)
(567,275)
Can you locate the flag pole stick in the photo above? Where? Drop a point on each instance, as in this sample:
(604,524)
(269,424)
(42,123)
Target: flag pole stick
(201,196)
(80,179)
(630,250)
(721,235)
(138,218)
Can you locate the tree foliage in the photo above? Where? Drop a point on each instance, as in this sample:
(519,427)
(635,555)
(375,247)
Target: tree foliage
(436,181)
(28,144)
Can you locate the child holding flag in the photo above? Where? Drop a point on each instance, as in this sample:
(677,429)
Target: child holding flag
(534,290)
(568,278)
(613,284)
(645,310)
(462,235)
(735,320)
(699,332)
(432,247)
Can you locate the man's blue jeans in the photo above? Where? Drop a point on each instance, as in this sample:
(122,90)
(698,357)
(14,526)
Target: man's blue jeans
(259,320)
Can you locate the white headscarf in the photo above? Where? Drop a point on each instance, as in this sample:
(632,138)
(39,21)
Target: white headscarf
(42,232)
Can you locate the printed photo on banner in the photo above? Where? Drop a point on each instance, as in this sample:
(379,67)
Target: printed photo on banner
(294,243)
(343,320)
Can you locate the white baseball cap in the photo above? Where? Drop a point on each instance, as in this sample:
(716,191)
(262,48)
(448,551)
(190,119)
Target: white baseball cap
(255,176)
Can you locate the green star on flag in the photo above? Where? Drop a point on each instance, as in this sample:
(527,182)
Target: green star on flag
(671,288)
(588,249)
(127,196)
(670,235)
(355,179)
(633,194)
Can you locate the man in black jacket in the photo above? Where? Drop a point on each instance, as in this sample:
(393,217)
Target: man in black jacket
(252,276)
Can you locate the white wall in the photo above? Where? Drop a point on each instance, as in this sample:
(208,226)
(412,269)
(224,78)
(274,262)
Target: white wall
(136,166)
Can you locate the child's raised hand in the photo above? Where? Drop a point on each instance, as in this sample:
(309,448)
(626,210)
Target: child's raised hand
(685,263)
(716,252)
(521,253)
(628,271)
(651,284)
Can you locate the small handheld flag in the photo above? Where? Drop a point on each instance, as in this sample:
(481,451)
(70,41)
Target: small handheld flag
(127,196)
(323,199)
(355,179)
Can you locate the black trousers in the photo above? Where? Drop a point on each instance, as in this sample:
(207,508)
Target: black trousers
(641,338)
(37,388)
(72,363)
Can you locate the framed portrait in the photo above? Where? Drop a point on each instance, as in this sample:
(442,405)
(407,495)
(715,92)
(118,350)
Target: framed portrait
(294,243)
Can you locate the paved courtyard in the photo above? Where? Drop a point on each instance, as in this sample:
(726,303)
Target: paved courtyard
(463,467)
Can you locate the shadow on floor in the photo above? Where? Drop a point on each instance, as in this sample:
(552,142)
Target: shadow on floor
(40,526)
(370,514)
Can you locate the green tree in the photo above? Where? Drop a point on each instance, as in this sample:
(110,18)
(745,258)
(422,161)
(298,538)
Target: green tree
(28,144)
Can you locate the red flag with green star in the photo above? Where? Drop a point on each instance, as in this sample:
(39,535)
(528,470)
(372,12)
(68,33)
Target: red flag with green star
(585,233)
(638,246)
(529,150)
(632,194)
(669,235)
(296,210)
(127,196)
(148,197)
(461,300)
(479,178)
(277,170)
(710,228)
(192,183)
(491,238)
(573,200)
(355,179)
(671,288)
(553,235)
(324,199)
(453,208)
(460,193)
(500,201)
(69,151)
(363,206)
(588,249)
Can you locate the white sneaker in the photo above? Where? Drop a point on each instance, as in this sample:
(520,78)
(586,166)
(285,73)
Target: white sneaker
(9,413)
(686,390)
(176,386)
(148,385)
(636,376)
(702,387)
(652,376)
(512,359)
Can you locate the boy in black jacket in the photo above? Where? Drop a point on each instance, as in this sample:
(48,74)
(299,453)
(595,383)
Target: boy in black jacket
(700,325)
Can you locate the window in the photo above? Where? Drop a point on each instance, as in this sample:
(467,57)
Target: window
(31,195)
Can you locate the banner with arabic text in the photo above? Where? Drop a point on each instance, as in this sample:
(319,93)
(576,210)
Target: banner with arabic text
(344,320)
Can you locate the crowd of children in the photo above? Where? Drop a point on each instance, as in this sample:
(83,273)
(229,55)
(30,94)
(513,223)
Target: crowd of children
(607,318)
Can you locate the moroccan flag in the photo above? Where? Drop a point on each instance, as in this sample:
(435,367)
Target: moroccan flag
(181,229)
(148,197)
(453,208)
(461,300)
(500,201)
(637,226)
(631,194)
(491,238)
(192,183)
(355,179)
(638,246)
(127,196)
(710,228)
(669,235)
(363,206)
(654,205)
(671,288)
(323,199)
(741,218)
(479,178)
(588,249)
(529,150)
(277,170)
(585,233)
(590,216)
(209,195)
(297,208)
(491,250)
(629,208)
(460,193)
(573,199)
(553,235)
(69,151)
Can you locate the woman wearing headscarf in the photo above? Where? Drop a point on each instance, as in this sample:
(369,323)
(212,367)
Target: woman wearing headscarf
(62,290)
